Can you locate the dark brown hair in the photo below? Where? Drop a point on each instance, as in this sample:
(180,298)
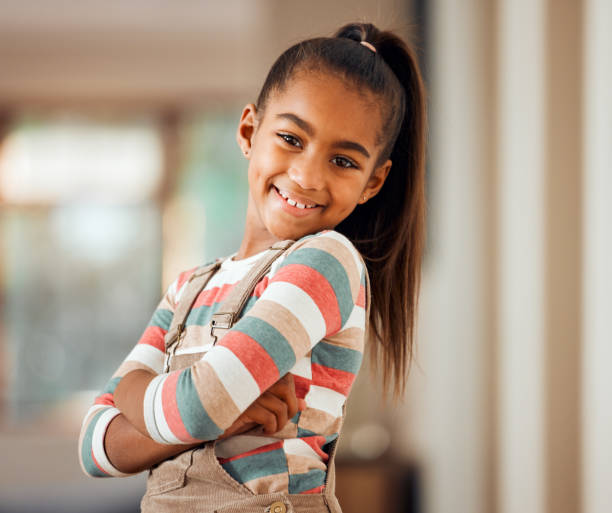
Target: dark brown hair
(388,230)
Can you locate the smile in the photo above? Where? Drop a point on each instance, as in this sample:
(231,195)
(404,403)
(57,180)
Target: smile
(294,202)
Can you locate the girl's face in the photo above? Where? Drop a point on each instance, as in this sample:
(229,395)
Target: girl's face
(312,156)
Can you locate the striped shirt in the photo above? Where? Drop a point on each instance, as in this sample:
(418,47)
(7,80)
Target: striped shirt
(305,316)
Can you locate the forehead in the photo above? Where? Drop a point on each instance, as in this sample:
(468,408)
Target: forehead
(334,106)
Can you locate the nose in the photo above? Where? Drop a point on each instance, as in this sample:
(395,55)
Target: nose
(307,174)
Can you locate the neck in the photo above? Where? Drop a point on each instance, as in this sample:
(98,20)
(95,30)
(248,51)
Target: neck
(256,237)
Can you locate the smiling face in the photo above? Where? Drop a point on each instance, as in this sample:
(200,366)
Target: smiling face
(312,156)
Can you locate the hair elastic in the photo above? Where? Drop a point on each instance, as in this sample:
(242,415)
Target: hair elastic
(368,45)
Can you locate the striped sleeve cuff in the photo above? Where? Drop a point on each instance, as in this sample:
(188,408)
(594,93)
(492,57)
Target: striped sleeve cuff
(94,460)
(153,423)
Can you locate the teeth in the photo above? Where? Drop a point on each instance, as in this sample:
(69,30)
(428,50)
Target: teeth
(292,202)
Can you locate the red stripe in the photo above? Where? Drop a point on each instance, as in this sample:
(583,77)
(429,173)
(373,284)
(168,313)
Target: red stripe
(318,489)
(361,297)
(171,411)
(318,288)
(106,399)
(97,464)
(338,380)
(259,450)
(253,356)
(316,443)
(154,336)
(183,277)
(208,297)
(302,386)
(261,286)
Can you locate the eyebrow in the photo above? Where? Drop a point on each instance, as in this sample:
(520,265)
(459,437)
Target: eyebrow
(308,128)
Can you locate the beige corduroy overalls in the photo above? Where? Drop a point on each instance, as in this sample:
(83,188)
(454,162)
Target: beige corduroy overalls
(194,481)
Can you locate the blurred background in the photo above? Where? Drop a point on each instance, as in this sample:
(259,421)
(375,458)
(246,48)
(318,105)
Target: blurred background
(119,168)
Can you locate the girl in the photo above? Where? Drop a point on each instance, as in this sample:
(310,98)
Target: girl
(248,419)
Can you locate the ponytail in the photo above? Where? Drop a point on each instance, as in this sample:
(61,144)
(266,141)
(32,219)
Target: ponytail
(389,229)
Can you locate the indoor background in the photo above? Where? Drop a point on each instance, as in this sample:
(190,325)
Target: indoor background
(119,168)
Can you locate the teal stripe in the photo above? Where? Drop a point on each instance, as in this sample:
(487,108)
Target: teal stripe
(333,271)
(195,418)
(201,315)
(257,465)
(303,433)
(161,318)
(88,461)
(341,358)
(299,483)
(111,386)
(274,343)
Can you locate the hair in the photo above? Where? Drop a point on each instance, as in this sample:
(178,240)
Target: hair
(389,229)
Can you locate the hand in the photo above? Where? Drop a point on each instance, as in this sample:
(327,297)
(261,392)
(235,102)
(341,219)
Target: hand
(272,409)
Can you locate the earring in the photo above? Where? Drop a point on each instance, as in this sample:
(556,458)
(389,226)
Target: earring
(364,198)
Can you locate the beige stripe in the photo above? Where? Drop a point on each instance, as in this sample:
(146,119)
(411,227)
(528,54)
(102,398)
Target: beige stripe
(302,464)
(319,421)
(351,338)
(289,431)
(126,367)
(216,401)
(285,322)
(269,484)
(196,336)
(343,255)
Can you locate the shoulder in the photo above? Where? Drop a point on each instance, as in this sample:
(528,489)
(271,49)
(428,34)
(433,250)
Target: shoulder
(327,247)
(322,259)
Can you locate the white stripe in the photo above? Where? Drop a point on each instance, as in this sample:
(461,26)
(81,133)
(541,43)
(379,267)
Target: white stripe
(303,368)
(240,444)
(300,304)
(165,432)
(91,411)
(298,447)
(234,376)
(325,399)
(147,355)
(194,349)
(97,442)
(148,408)
(356,319)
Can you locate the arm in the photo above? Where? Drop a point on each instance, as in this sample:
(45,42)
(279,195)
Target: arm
(310,297)
(147,355)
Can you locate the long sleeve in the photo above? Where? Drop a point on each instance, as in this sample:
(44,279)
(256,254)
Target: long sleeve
(311,296)
(147,354)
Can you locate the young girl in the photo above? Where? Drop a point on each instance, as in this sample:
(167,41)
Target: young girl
(248,419)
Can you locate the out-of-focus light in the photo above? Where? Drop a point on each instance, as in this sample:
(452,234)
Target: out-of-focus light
(370,441)
(67,160)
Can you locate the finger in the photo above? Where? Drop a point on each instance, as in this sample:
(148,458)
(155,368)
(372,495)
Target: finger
(257,413)
(284,389)
(277,406)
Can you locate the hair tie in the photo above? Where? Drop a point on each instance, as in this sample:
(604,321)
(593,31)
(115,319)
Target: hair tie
(368,45)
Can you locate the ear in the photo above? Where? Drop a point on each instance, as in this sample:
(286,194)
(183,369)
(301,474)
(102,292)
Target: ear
(246,129)
(375,182)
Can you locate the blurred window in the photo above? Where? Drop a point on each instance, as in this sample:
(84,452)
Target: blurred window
(80,254)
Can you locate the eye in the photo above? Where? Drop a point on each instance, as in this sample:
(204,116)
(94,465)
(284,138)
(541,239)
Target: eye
(344,162)
(290,139)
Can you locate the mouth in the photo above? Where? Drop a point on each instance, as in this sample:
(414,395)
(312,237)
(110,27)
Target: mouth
(295,201)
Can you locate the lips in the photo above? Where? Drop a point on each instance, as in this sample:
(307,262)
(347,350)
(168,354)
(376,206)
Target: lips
(296,200)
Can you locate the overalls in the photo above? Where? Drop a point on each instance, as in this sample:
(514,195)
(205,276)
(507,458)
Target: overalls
(194,481)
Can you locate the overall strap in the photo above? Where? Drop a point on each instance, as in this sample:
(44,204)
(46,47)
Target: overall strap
(197,281)
(230,309)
